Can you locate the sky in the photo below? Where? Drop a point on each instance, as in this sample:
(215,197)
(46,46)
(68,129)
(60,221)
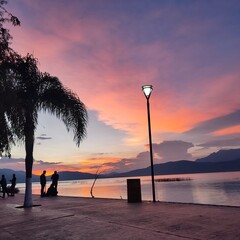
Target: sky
(105,50)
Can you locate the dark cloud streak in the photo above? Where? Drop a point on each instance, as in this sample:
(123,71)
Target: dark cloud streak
(11,160)
(47,163)
(234,142)
(215,124)
(43,138)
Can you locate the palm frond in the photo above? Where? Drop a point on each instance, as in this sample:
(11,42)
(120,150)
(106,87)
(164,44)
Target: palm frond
(6,136)
(64,104)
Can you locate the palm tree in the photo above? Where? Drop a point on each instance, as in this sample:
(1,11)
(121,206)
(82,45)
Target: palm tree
(35,91)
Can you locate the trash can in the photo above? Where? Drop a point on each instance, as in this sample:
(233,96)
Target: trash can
(134,190)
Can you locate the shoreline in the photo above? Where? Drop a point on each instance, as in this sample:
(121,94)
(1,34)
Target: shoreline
(143,201)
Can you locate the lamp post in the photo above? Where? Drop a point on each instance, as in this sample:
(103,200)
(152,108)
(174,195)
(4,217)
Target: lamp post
(147,90)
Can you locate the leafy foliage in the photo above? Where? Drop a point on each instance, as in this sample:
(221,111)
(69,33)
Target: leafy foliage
(5,37)
(6,53)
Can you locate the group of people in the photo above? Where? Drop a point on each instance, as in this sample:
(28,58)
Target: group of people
(52,190)
(3,184)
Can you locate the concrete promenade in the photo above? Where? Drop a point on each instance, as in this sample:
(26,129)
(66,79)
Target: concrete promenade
(85,218)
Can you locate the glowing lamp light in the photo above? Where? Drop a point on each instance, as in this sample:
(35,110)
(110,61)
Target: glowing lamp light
(147,89)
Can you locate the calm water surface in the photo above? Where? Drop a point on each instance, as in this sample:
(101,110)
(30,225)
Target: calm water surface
(204,188)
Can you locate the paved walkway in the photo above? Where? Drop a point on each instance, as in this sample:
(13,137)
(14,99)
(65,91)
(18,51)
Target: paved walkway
(63,218)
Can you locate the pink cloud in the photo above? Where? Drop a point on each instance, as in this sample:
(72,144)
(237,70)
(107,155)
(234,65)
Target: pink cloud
(107,71)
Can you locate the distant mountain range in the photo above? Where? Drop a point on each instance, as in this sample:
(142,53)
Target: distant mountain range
(221,156)
(221,161)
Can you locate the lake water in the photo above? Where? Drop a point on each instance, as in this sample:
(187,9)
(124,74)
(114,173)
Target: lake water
(204,188)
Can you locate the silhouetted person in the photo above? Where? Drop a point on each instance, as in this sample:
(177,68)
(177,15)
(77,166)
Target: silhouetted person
(3,183)
(55,178)
(43,183)
(13,181)
(52,191)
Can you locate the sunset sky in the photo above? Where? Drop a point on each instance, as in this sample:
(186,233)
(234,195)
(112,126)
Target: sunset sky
(105,50)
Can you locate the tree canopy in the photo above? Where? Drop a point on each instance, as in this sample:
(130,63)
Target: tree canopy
(24,92)
(6,56)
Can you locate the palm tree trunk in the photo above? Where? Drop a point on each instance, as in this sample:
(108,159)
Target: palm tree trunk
(29,142)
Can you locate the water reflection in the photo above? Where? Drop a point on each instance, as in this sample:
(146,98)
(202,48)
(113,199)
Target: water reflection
(175,192)
(207,188)
(208,194)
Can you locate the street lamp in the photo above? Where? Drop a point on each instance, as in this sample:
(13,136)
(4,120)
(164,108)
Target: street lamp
(147,90)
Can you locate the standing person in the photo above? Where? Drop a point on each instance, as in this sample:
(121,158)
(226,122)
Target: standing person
(43,183)
(55,178)
(3,183)
(13,181)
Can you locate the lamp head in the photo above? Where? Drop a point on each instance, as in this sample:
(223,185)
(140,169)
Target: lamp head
(147,89)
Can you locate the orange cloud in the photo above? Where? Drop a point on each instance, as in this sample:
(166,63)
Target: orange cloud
(230,130)
(91,165)
(103,164)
